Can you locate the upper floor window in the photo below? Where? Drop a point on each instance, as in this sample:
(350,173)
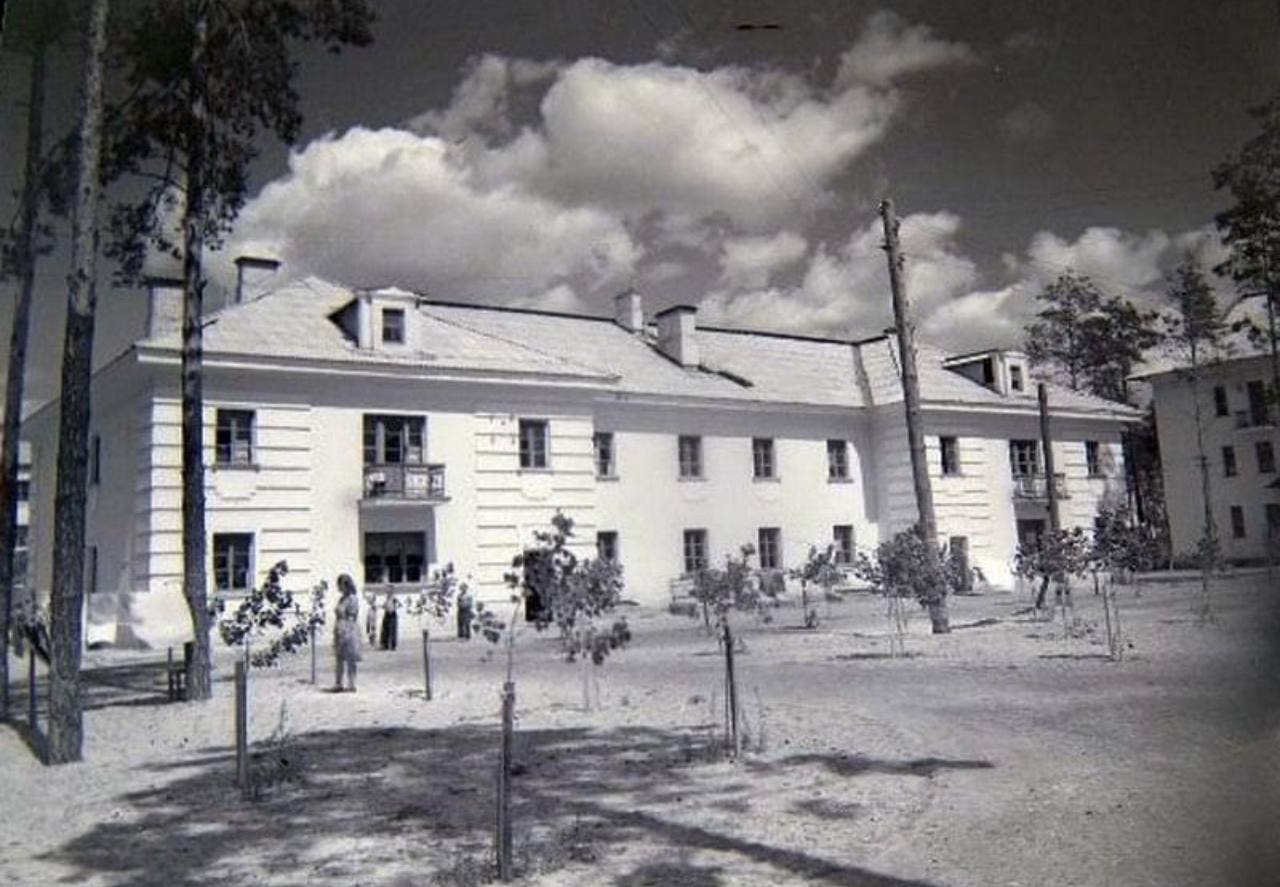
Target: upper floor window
(393,326)
(394,440)
(695,550)
(1024,457)
(607,546)
(950,450)
(762,458)
(837,460)
(602,443)
(1258,413)
(770,539)
(1237,522)
(690,457)
(233,437)
(533,443)
(1093,458)
(1266,457)
(232,570)
(1228,461)
(842,536)
(1015,378)
(1220,405)
(23,490)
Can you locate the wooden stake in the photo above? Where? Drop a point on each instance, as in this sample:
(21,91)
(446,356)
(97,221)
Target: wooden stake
(426,662)
(731,692)
(31,691)
(502,839)
(313,653)
(242,728)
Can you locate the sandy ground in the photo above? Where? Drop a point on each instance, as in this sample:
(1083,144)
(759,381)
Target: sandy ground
(1002,754)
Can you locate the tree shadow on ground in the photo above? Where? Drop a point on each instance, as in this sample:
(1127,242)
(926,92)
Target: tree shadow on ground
(427,796)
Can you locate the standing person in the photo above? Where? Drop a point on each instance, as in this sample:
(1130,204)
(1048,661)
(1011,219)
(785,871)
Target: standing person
(346,633)
(390,633)
(465,613)
(371,618)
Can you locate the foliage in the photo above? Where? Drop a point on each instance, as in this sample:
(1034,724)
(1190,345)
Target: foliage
(1093,338)
(1122,544)
(736,586)
(904,567)
(1251,227)
(247,75)
(821,568)
(437,595)
(1060,554)
(270,613)
(574,595)
(1195,331)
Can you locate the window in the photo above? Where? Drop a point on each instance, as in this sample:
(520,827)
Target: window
(1257,403)
(950,448)
(603,444)
(770,539)
(231,555)
(393,326)
(91,571)
(95,460)
(1271,517)
(393,558)
(607,545)
(1220,405)
(1093,458)
(695,550)
(1228,462)
(1237,522)
(533,443)
(837,460)
(1024,457)
(21,548)
(394,440)
(23,490)
(690,457)
(1266,457)
(988,372)
(842,536)
(233,437)
(1015,378)
(762,458)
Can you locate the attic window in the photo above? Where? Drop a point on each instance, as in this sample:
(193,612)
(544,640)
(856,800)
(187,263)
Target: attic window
(393,326)
(1015,378)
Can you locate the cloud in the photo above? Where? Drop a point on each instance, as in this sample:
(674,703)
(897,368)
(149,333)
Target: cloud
(481,103)
(748,262)
(890,47)
(387,206)
(1024,42)
(1028,122)
(1119,259)
(560,298)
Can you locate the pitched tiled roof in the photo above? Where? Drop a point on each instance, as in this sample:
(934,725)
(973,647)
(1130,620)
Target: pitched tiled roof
(297,321)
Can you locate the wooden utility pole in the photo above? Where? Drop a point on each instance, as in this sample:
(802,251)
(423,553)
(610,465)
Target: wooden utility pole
(911,400)
(1046,444)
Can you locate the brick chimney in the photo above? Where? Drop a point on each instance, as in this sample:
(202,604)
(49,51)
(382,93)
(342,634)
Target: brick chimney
(254,275)
(628,311)
(164,307)
(678,334)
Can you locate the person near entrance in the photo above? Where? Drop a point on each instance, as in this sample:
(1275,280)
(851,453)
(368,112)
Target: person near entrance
(346,634)
(466,612)
(390,629)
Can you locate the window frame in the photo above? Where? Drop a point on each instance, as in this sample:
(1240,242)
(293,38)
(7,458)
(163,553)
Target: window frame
(1259,412)
(764,459)
(1093,458)
(844,552)
(225,422)
(602,443)
(694,550)
(1238,528)
(230,567)
(1230,468)
(1016,382)
(397,327)
(386,541)
(403,427)
(533,443)
(769,547)
(689,457)
(949,467)
(607,546)
(1025,445)
(1221,404)
(837,460)
(1266,465)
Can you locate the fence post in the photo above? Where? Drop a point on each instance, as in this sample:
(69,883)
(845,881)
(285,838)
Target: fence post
(31,691)
(503,837)
(242,728)
(426,662)
(731,691)
(313,653)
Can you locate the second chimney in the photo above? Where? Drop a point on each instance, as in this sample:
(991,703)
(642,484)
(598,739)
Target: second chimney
(164,307)
(253,277)
(628,311)
(678,334)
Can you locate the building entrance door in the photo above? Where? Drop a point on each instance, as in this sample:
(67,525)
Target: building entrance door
(1030,532)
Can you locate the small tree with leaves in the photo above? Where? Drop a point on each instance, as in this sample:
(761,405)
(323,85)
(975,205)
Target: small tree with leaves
(436,597)
(270,621)
(1059,556)
(822,569)
(1116,548)
(902,569)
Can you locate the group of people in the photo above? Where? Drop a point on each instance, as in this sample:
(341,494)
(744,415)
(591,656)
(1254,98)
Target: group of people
(346,633)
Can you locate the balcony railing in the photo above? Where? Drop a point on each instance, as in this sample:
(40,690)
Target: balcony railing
(415,483)
(1035,487)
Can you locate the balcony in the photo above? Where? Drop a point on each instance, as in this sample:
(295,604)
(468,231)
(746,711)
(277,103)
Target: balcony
(404,483)
(1035,487)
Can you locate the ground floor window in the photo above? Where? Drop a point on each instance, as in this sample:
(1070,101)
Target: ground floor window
(770,548)
(394,558)
(695,550)
(842,537)
(607,545)
(232,552)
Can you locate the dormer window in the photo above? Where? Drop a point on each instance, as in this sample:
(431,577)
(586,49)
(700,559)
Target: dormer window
(393,326)
(1015,378)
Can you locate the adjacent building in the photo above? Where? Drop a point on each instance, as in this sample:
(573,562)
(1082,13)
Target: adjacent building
(381,433)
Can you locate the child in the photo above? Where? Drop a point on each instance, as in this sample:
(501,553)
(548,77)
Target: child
(390,634)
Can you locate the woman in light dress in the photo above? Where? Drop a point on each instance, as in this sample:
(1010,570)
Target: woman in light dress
(346,633)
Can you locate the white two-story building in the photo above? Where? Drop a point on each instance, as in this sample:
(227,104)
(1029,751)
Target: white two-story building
(380,433)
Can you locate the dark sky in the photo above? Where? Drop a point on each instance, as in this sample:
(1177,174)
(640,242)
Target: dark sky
(1016,138)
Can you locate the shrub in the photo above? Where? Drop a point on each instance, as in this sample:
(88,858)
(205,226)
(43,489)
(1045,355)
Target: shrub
(270,613)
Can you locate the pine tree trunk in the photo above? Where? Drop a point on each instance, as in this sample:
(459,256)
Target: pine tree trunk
(15,381)
(194,543)
(66,729)
(938,616)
